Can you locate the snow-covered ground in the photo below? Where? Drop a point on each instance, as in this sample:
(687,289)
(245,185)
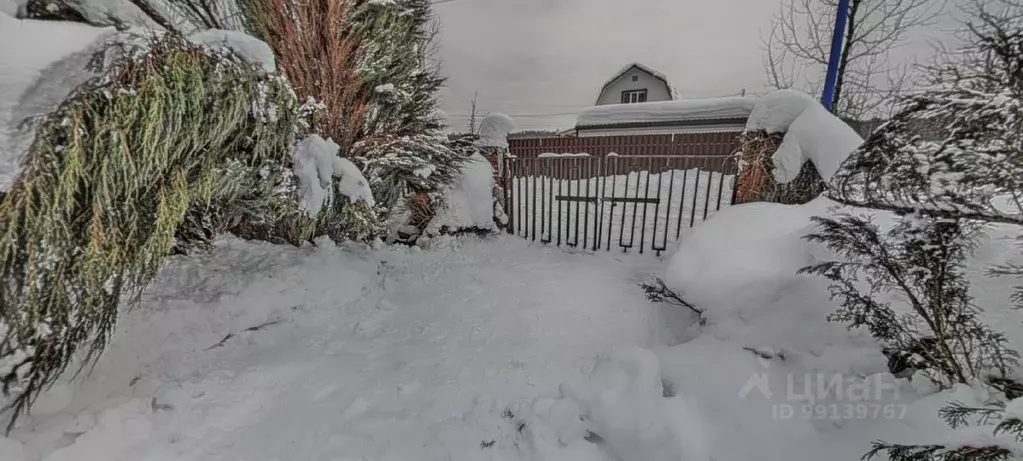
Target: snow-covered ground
(686,198)
(496,349)
(259,352)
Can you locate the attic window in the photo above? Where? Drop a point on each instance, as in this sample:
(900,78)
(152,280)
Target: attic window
(635,78)
(633,97)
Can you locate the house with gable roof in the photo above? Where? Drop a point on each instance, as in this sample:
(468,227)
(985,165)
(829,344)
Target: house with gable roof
(639,100)
(634,84)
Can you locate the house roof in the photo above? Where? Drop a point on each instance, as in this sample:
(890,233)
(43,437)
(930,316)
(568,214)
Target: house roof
(636,65)
(666,113)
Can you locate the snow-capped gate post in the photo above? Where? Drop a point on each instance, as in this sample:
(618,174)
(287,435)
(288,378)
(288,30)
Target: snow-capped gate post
(791,145)
(493,140)
(493,144)
(764,137)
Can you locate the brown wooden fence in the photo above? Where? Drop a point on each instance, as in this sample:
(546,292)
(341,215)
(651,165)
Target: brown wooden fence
(717,144)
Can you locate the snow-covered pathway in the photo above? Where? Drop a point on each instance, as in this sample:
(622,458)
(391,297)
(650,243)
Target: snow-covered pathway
(350,354)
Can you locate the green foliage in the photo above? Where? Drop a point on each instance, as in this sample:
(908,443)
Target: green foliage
(402,151)
(944,192)
(923,261)
(959,415)
(939,452)
(418,164)
(169,136)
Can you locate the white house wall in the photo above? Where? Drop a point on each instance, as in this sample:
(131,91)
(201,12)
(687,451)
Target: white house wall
(656,89)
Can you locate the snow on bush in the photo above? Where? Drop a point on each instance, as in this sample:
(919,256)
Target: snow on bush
(469,202)
(316,164)
(740,269)
(245,46)
(35,79)
(494,130)
(101,13)
(811,134)
(769,342)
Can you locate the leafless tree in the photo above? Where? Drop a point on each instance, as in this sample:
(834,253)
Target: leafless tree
(472,113)
(799,46)
(430,54)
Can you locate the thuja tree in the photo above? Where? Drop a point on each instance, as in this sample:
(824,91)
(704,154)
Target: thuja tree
(922,259)
(168,132)
(369,63)
(403,150)
(943,193)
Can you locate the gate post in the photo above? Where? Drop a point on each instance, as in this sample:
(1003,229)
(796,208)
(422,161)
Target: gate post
(735,182)
(506,186)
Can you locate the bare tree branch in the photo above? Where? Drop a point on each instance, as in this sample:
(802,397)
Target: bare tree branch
(798,49)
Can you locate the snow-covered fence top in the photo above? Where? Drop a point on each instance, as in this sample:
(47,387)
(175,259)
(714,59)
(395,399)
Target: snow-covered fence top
(716,144)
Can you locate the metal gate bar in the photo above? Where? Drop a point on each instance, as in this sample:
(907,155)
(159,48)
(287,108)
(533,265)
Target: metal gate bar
(583,202)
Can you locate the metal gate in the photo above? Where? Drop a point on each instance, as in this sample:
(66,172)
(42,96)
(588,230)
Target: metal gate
(628,202)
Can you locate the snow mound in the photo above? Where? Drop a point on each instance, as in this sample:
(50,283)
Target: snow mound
(35,79)
(740,268)
(247,47)
(767,355)
(811,134)
(667,111)
(469,201)
(494,130)
(316,163)
(623,402)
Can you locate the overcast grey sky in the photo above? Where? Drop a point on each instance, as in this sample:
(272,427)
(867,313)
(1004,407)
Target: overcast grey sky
(543,60)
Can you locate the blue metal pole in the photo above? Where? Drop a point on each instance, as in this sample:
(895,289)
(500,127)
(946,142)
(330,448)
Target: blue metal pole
(841,19)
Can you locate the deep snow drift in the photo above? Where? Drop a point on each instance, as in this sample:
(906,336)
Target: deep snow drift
(775,370)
